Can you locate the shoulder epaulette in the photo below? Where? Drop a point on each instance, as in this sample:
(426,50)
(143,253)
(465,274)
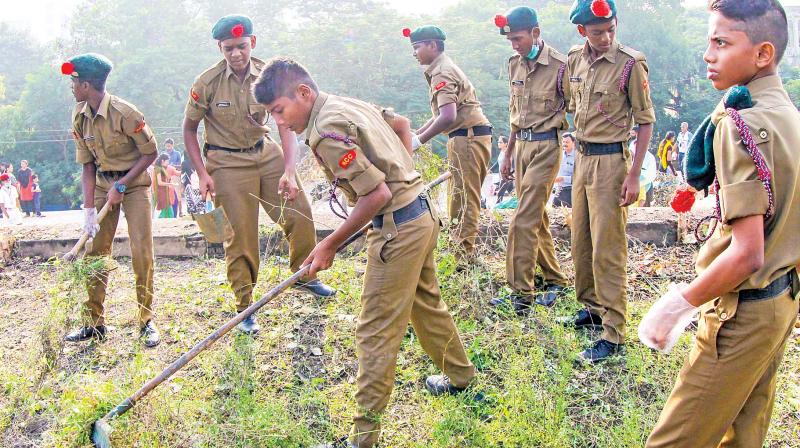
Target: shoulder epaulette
(212,72)
(635,54)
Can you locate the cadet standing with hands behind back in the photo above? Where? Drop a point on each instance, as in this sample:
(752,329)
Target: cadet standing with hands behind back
(610,92)
(243,164)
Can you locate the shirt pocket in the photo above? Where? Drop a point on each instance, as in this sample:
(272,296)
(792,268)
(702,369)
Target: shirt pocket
(224,112)
(610,102)
(544,102)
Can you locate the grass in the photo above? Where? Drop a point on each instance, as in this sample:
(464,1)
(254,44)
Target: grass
(293,386)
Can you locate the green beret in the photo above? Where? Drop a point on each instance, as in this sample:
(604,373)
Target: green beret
(590,12)
(423,33)
(521,18)
(87,66)
(232,26)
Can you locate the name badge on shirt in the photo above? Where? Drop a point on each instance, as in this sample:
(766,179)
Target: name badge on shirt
(575,79)
(517,83)
(224,104)
(89,138)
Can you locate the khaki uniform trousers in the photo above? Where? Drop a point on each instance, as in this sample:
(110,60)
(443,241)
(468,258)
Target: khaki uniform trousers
(599,244)
(468,158)
(726,390)
(136,203)
(400,286)
(529,238)
(239,179)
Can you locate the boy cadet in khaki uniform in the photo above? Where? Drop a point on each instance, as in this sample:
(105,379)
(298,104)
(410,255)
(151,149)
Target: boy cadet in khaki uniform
(747,288)
(458,114)
(115,147)
(537,77)
(359,152)
(610,91)
(243,163)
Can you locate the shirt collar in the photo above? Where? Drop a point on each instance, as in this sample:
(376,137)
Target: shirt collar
(759,85)
(102,109)
(318,103)
(438,62)
(544,57)
(610,55)
(251,68)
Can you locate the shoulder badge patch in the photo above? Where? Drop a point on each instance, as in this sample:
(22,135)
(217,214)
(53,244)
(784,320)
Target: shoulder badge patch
(76,136)
(139,127)
(440,85)
(195,96)
(645,84)
(347,159)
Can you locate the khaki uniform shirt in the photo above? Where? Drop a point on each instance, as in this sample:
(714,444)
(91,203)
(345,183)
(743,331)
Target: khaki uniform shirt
(358,149)
(536,100)
(231,115)
(775,125)
(604,112)
(448,85)
(114,138)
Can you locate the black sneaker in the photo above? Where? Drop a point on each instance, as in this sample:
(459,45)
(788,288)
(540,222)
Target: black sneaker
(602,350)
(548,297)
(439,385)
(316,288)
(520,303)
(583,320)
(150,334)
(249,326)
(86,333)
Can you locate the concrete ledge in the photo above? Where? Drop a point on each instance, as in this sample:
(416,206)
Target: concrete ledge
(656,226)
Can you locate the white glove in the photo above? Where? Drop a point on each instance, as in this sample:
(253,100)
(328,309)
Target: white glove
(666,320)
(415,143)
(90,224)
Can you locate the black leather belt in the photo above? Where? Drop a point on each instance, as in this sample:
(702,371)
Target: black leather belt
(477,131)
(257,147)
(598,149)
(113,174)
(408,213)
(527,135)
(774,289)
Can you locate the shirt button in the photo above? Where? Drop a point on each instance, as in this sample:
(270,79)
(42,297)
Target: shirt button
(723,315)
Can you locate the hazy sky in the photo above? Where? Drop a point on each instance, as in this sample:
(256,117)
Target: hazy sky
(48,17)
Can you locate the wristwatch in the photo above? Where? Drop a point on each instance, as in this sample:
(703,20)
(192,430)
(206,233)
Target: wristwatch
(120,187)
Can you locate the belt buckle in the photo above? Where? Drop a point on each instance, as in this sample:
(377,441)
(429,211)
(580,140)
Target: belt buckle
(525,134)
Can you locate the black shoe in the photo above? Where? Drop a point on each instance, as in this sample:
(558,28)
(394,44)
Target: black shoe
(86,333)
(549,296)
(520,303)
(583,320)
(249,326)
(150,334)
(315,287)
(602,350)
(27,214)
(343,442)
(441,385)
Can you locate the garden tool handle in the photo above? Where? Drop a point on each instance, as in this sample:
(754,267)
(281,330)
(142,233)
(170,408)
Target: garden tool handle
(73,253)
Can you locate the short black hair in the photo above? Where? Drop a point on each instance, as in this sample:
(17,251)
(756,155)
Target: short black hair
(97,83)
(169,141)
(439,45)
(569,136)
(280,77)
(762,21)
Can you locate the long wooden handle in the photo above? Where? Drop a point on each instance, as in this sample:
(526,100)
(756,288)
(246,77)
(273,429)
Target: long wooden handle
(85,236)
(213,337)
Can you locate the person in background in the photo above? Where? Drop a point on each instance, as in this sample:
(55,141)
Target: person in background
(648,173)
(163,173)
(37,197)
(25,187)
(563,186)
(8,200)
(505,186)
(175,160)
(684,140)
(667,153)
